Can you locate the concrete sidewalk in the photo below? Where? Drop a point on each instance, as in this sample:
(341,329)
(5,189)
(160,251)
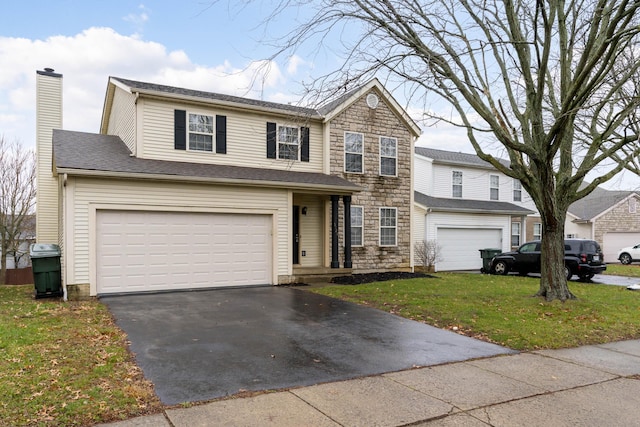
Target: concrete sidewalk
(585,386)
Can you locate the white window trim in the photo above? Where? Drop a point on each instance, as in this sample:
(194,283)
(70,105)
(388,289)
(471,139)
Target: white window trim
(517,187)
(380,156)
(519,234)
(278,142)
(212,134)
(380,227)
(453,184)
(539,236)
(492,187)
(344,143)
(361,244)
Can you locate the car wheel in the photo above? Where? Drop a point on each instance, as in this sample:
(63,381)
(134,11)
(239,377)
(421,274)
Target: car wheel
(500,267)
(586,277)
(567,272)
(625,258)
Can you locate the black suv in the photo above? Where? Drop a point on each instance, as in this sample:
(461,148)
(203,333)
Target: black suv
(581,257)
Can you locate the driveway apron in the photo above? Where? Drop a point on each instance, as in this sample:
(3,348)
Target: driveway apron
(202,345)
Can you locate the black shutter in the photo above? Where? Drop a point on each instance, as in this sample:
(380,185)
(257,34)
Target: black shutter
(180,129)
(271,140)
(221,134)
(304,144)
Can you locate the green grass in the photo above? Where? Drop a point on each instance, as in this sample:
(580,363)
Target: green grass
(65,364)
(501,309)
(632,270)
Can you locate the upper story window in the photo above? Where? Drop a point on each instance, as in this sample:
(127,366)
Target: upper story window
(357,225)
(494,187)
(388,226)
(632,205)
(517,191)
(456,181)
(353,152)
(200,132)
(388,156)
(288,142)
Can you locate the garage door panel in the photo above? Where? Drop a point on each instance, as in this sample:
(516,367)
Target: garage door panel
(147,251)
(460,247)
(613,242)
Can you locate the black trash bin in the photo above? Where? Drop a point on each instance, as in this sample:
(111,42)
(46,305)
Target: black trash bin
(47,276)
(487,255)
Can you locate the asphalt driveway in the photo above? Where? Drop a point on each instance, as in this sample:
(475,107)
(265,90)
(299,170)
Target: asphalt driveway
(201,345)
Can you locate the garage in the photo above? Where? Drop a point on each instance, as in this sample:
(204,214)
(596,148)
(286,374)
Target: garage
(459,247)
(613,242)
(141,251)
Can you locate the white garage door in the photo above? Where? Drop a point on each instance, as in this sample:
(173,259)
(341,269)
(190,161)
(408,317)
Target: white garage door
(141,251)
(460,247)
(613,242)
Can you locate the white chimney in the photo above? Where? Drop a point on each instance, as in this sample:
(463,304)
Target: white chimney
(48,117)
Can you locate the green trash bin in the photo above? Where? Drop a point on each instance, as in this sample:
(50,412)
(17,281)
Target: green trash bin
(47,276)
(487,255)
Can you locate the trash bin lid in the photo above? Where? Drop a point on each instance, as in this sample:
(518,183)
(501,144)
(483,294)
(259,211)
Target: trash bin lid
(44,250)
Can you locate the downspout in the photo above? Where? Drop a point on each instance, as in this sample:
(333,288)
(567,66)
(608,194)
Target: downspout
(64,234)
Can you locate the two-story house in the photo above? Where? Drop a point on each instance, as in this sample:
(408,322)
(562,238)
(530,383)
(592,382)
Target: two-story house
(463,204)
(185,189)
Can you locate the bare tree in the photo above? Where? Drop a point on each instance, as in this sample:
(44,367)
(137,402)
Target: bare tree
(551,85)
(17,197)
(427,252)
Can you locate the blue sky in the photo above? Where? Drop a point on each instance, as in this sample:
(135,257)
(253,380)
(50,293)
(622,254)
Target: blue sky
(186,43)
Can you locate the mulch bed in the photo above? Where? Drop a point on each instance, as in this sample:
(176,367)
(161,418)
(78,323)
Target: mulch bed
(358,279)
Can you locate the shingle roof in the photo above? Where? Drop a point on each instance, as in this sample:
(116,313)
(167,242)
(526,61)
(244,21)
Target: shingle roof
(598,201)
(465,205)
(153,87)
(455,158)
(80,152)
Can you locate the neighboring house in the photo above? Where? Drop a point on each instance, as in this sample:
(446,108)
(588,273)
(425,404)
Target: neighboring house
(464,204)
(612,218)
(21,259)
(187,189)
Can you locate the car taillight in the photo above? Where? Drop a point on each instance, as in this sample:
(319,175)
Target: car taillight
(583,257)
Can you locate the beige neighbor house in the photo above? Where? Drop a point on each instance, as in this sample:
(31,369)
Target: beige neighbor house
(185,189)
(612,218)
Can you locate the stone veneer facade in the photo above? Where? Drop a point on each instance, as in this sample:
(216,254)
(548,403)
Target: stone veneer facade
(378,191)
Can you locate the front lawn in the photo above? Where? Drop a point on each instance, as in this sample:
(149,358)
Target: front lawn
(501,309)
(65,364)
(631,270)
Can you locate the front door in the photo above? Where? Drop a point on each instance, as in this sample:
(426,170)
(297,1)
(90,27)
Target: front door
(296,235)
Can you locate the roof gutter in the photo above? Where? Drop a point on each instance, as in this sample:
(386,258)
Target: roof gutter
(316,188)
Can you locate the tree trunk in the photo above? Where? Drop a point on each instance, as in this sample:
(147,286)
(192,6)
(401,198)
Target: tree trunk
(3,269)
(553,280)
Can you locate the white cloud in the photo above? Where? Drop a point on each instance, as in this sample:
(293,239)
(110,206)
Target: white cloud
(86,61)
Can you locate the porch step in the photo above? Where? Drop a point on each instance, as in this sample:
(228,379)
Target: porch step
(319,274)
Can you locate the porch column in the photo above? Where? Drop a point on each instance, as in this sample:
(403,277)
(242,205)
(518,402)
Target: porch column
(334,232)
(347,231)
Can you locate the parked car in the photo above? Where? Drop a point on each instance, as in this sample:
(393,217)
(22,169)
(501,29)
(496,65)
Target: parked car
(582,257)
(629,255)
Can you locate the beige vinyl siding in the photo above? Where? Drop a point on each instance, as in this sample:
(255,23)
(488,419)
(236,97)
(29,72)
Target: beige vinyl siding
(122,121)
(246,138)
(49,117)
(90,194)
(311,226)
